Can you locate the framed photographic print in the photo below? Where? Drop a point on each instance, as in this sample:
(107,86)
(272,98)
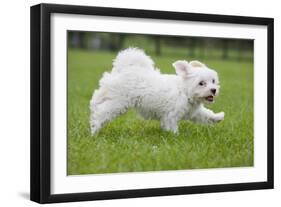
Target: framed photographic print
(133,103)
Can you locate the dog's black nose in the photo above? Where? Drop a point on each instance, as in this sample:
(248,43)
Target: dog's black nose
(213,90)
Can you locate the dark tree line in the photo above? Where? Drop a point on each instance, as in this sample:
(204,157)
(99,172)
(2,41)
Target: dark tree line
(194,46)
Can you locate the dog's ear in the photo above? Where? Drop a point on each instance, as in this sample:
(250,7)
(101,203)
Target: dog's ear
(181,67)
(196,63)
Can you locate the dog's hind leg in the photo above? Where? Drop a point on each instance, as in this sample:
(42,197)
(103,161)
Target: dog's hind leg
(104,112)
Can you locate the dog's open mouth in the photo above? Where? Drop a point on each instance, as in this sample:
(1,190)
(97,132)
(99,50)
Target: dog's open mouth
(210,98)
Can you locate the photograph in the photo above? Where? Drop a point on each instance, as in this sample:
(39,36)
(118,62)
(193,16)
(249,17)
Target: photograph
(130,103)
(147,102)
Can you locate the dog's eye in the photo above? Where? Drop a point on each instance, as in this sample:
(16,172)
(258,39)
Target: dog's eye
(213,81)
(201,83)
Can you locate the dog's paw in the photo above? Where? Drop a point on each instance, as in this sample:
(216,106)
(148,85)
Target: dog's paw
(218,117)
(94,130)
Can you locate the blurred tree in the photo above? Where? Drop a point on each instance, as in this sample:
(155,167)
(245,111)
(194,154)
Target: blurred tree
(202,47)
(116,41)
(157,40)
(225,48)
(192,46)
(239,49)
(121,40)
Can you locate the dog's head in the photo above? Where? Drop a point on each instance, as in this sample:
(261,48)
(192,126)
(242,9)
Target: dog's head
(201,82)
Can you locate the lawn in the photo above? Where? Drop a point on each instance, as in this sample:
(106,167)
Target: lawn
(130,144)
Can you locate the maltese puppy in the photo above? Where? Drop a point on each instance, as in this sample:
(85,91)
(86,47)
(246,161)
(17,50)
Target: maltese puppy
(134,82)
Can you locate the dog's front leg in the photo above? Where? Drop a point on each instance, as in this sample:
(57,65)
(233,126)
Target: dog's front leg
(206,116)
(169,124)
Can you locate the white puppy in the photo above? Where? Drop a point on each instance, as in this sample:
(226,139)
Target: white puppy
(134,82)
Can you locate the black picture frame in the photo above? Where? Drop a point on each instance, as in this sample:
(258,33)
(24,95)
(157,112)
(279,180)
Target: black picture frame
(40,184)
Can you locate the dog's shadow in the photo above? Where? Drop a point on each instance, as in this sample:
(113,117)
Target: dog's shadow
(140,131)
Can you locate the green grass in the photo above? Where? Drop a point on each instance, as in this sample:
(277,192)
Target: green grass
(130,144)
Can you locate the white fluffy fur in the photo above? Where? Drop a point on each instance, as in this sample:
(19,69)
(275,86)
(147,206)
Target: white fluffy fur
(134,82)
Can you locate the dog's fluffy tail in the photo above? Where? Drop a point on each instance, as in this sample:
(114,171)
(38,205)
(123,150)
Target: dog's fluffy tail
(132,57)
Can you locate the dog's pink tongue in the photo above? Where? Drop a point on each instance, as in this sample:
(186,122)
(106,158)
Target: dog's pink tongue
(210,98)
